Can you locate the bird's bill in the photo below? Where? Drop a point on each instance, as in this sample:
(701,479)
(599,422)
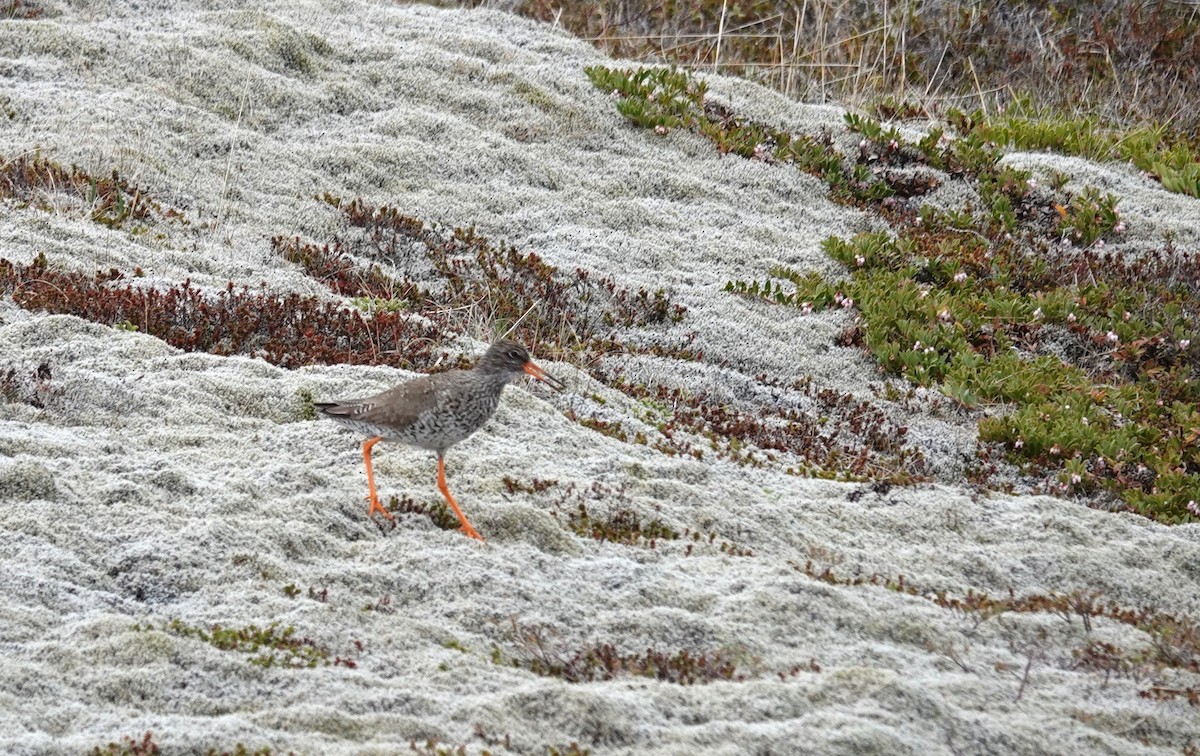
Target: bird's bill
(542,376)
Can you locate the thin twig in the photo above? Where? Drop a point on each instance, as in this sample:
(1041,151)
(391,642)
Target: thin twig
(978,87)
(720,35)
(513,327)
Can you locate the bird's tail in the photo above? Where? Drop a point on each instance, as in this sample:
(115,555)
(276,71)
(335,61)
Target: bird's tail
(334,409)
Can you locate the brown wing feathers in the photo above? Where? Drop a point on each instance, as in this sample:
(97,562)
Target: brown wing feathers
(397,407)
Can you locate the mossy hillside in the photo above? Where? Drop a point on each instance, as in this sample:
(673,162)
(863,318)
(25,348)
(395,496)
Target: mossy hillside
(1091,379)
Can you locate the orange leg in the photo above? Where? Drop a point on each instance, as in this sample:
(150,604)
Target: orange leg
(375,505)
(466,526)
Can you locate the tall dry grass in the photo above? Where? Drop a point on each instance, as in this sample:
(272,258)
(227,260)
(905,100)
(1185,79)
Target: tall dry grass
(1126,61)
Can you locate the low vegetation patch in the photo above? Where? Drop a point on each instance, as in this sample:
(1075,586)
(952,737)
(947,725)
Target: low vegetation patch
(437,511)
(286,330)
(1099,378)
(821,432)
(579,509)
(663,100)
(537,485)
(33,387)
(1174,640)
(539,649)
(19,10)
(291,590)
(470,279)
(620,525)
(1025,126)
(434,747)
(623,526)
(33,181)
(145,746)
(270,646)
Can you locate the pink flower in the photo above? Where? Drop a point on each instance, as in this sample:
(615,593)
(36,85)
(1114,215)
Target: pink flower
(1037,314)
(1119,228)
(960,276)
(660,130)
(1112,337)
(1071,317)
(806,308)
(1076,479)
(1185,343)
(1019,443)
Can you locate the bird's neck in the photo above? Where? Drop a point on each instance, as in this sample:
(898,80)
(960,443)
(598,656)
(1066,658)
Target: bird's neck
(496,381)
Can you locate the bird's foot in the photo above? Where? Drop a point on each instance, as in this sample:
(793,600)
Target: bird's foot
(469,531)
(377,507)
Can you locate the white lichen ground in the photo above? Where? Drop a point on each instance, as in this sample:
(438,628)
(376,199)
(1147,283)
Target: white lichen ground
(156,485)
